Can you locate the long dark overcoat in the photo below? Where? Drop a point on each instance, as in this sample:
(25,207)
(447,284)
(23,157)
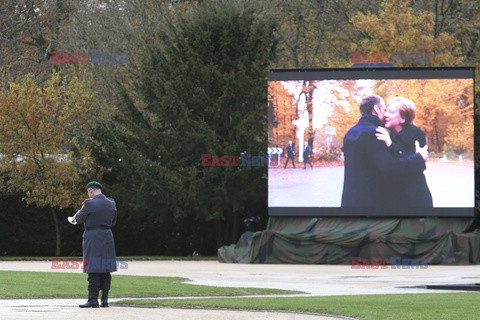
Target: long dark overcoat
(99,215)
(369,164)
(410,190)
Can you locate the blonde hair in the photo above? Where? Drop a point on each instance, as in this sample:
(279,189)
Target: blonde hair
(406,108)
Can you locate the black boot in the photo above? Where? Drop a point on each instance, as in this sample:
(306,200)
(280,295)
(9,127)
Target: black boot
(104,299)
(93,289)
(91,303)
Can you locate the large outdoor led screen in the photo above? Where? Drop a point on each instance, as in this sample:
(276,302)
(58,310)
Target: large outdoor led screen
(319,107)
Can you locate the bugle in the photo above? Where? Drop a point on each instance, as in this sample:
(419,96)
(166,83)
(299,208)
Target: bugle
(73,219)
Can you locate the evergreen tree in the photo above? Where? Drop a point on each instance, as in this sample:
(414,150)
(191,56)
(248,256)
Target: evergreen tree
(202,90)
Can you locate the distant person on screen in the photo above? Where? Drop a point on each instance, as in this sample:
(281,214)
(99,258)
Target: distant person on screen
(410,189)
(307,151)
(290,154)
(369,163)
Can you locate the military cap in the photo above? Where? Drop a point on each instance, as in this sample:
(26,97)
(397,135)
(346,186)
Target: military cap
(94,185)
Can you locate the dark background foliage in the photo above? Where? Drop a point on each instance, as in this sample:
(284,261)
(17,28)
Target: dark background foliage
(195,83)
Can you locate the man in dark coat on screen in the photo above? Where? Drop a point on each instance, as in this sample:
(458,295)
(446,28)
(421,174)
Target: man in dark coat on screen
(307,151)
(369,162)
(290,154)
(99,215)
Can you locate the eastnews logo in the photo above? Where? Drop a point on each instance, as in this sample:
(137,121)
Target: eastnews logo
(244,160)
(396,263)
(83,57)
(96,263)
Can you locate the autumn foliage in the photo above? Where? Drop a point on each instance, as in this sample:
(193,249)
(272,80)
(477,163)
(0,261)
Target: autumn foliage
(444,109)
(41,133)
(43,130)
(195,83)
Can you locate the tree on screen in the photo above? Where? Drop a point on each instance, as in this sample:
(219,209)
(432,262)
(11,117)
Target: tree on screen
(444,110)
(283,112)
(346,112)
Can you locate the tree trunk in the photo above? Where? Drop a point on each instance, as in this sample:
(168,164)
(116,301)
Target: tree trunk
(309,100)
(219,233)
(57,232)
(435,12)
(234,236)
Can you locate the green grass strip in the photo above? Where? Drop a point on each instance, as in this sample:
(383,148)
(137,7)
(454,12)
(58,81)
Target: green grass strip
(438,306)
(22,284)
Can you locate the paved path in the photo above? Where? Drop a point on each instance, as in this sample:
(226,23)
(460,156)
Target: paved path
(318,280)
(61,309)
(451,185)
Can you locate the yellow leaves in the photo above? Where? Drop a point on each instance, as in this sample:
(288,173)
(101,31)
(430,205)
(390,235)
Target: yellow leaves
(55,186)
(459,139)
(43,125)
(400,28)
(282,106)
(443,110)
(369,24)
(25,112)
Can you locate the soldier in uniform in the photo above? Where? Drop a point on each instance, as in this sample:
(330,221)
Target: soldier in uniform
(99,215)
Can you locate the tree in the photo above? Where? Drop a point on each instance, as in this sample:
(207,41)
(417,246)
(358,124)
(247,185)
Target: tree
(203,90)
(315,33)
(308,87)
(30,30)
(43,133)
(444,110)
(459,18)
(399,28)
(281,106)
(346,112)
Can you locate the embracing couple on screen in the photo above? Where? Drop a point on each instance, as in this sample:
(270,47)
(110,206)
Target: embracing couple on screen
(385,156)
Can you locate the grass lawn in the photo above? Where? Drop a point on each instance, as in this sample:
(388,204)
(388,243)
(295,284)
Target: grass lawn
(443,306)
(438,306)
(22,284)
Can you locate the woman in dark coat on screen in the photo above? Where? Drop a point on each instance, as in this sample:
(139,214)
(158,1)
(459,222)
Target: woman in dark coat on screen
(410,190)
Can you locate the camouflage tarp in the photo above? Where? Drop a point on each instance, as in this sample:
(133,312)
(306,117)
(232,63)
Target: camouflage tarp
(237,253)
(332,240)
